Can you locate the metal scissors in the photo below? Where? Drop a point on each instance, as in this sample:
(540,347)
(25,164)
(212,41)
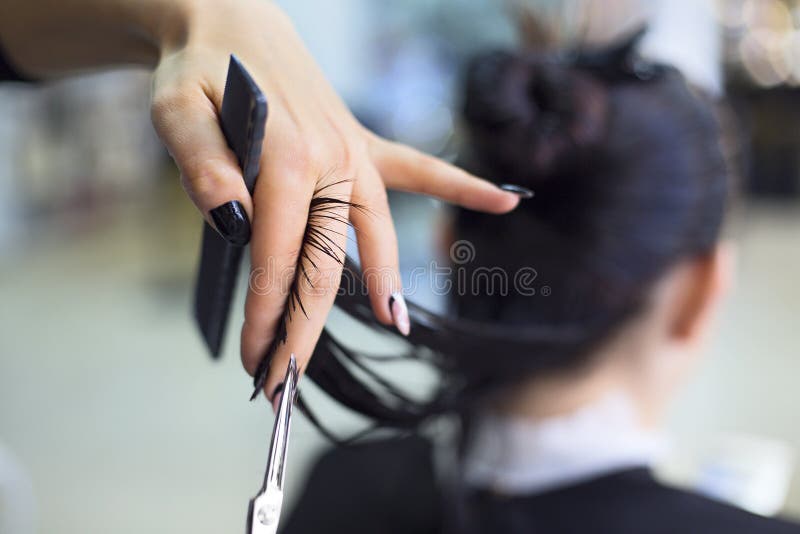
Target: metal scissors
(265,508)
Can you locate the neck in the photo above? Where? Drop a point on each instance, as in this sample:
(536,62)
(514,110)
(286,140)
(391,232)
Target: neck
(565,392)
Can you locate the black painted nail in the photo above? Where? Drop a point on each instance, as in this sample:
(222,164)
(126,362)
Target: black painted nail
(522,192)
(232,222)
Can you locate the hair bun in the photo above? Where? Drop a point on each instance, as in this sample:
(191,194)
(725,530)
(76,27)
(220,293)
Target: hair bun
(526,113)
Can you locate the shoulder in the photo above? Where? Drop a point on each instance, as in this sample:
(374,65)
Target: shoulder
(699,510)
(379,469)
(380,486)
(389,486)
(411,450)
(633,501)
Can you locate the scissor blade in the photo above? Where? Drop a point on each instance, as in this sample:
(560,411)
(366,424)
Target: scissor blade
(265,508)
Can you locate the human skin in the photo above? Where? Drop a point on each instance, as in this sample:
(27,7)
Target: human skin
(311,139)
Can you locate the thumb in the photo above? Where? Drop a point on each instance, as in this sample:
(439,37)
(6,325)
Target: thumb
(186,121)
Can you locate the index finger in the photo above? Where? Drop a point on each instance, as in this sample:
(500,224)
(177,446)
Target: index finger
(408,169)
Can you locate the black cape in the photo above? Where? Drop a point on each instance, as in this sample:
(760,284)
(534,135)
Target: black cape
(389,487)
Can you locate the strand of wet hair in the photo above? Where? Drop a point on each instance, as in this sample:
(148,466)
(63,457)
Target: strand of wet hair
(319,239)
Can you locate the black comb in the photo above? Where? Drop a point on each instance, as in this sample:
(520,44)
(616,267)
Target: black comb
(243,118)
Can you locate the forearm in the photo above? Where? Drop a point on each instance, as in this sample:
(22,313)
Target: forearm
(47,38)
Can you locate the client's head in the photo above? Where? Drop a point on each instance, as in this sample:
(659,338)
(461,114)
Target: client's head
(623,236)
(623,232)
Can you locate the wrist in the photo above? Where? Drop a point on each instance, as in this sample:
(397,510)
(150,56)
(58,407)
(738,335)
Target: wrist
(202,22)
(166,27)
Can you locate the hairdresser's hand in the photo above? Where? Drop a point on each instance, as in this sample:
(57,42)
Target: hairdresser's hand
(312,141)
(313,147)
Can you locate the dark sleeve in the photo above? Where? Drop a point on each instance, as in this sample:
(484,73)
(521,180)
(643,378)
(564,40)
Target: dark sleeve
(8,73)
(384,487)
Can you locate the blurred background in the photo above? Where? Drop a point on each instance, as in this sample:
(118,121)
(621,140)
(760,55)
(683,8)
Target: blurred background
(113,416)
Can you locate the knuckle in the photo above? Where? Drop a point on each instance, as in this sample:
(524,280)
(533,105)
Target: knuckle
(315,156)
(169,100)
(305,157)
(380,279)
(249,359)
(250,364)
(299,154)
(205,174)
(261,315)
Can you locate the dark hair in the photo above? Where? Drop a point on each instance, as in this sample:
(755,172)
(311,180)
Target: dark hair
(629,179)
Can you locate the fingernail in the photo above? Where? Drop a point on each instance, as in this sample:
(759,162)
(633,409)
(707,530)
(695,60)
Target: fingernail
(397,305)
(521,192)
(232,222)
(276,398)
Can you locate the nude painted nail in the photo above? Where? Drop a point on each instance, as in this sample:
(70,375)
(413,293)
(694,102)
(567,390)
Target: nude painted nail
(397,305)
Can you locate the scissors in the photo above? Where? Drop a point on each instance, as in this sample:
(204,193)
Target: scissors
(243,119)
(265,508)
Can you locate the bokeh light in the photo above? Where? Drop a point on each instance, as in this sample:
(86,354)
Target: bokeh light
(763,39)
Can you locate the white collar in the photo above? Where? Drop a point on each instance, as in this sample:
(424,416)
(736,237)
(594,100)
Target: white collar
(514,455)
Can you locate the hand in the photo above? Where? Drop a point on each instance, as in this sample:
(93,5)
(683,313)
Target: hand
(313,147)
